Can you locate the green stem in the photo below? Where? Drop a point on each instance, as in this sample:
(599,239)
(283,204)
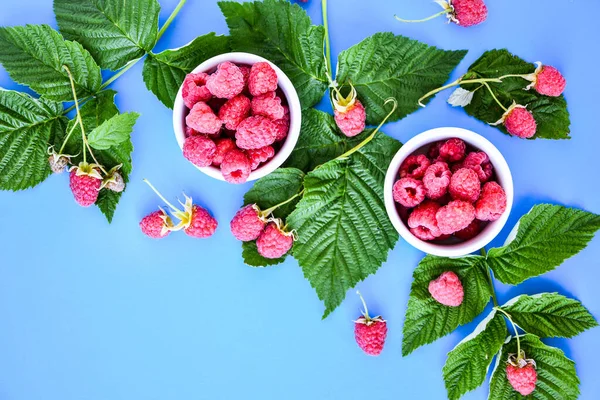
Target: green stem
(327,43)
(459,81)
(170,19)
(161,196)
(524,76)
(514,327)
(78,120)
(121,72)
(422,20)
(490,279)
(494,96)
(67,138)
(366,313)
(276,206)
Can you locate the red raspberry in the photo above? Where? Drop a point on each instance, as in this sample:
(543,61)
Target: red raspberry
(234,111)
(156,225)
(436,180)
(255,132)
(258,156)
(447,289)
(470,231)
(370,333)
(268,105)
(85,181)
(434,150)
(226,82)
(248,223)
(549,82)
(262,79)
(422,222)
(283,125)
(236,167)
(520,122)
(465,185)
(469,12)
(224,146)
(409,192)
(455,216)
(245,70)
(202,224)
(190,131)
(414,166)
(194,90)
(352,121)
(492,203)
(274,242)
(479,162)
(202,119)
(452,150)
(199,150)
(522,379)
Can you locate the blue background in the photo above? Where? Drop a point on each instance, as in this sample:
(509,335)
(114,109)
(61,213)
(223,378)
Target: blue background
(90,310)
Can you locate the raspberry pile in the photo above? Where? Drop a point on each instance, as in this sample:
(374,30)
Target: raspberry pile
(450,191)
(237,120)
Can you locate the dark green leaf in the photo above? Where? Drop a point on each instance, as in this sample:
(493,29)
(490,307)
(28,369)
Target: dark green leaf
(113,131)
(253,259)
(275,188)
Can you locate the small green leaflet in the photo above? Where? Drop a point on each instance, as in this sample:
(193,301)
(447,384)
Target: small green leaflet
(113,131)
(468,363)
(113,31)
(550,315)
(282,33)
(556,374)
(34,55)
(27,128)
(164,72)
(541,241)
(384,65)
(426,320)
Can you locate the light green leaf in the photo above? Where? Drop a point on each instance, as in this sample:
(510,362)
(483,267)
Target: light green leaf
(282,33)
(384,65)
(344,234)
(113,131)
(544,238)
(27,128)
(253,259)
(113,31)
(550,315)
(426,320)
(164,72)
(34,55)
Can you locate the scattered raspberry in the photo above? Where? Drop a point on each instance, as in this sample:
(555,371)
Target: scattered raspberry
(273,242)
(85,184)
(247,224)
(452,150)
(469,12)
(224,145)
(202,119)
(465,185)
(352,121)
(199,150)
(520,122)
(235,167)
(479,162)
(194,90)
(492,203)
(414,166)
(550,82)
(434,150)
(455,216)
(409,192)
(156,225)
(58,163)
(470,231)
(255,132)
(422,221)
(258,156)
(447,289)
(226,82)
(202,224)
(234,111)
(268,105)
(370,333)
(436,180)
(262,79)
(522,379)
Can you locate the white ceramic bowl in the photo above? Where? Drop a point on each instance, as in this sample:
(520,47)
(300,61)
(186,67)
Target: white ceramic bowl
(419,144)
(180,111)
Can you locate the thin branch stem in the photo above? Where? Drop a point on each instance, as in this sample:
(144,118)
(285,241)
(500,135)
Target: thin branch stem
(459,81)
(78,120)
(161,196)
(170,19)
(121,72)
(494,96)
(514,327)
(67,138)
(270,210)
(327,43)
(421,20)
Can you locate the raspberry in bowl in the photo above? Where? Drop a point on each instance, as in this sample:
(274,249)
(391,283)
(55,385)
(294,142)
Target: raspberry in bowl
(448,191)
(237,117)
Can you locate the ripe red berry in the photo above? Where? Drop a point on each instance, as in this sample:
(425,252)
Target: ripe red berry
(248,223)
(447,289)
(201,223)
(436,180)
(370,333)
(194,90)
(549,81)
(520,122)
(352,121)
(414,166)
(262,79)
(199,150)
(226,82)
(236,166)
(85,182)
(203,119)
(274,242)
(422,221)
(409,192)
(156,225)
(521,373)
(455,216)
(255,132)
(465,185)
(468,12)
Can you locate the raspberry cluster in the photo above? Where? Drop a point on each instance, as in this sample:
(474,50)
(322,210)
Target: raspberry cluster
(237,120)
(448,192)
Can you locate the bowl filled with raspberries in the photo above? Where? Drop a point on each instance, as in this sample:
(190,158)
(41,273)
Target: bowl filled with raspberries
(237,117)
(448,191)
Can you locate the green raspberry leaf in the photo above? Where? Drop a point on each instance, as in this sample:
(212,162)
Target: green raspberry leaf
(164,72)
(113,131)
(253,259)
(34,55)
(384,65)
(541,241)
(550,113)
(27,128)
(113,31)
(468,363)
(426,320)
(344,234)
(550,315)
(282,33)
(556,374)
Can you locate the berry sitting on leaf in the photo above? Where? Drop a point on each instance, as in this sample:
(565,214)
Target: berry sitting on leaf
(447,289)
(521,373)
(370,333)
(350,115)
(275,241)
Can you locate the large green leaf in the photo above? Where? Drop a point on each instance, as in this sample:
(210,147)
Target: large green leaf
(541,241)
(344,234)
(113,131)
(34,55)
(426,320)
(27,127)
(164,72)
(114,31)
(384,65)
(282,33)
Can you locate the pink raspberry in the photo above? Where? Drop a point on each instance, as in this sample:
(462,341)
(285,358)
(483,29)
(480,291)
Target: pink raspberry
(199,150)
(234,111)
(258,156)
(436,180)
(236,167)
(156,225)
(85,186)
(283,125)
(202,119)
(255,132)
(274,242)
(422,222)
(226,82)
(522,379)
(492,203)
(202,224)
(469,12)
(352,121)
(455,216)
(409,192)
(370,332)
(447,289)
(190,131)
(520,122)
(262,79)
(550,82)
(414,166)
(194,90)
(470,231)
(268,105)
(479,162)
(224,146)
(434,150)
(465,185)
(245,70)
(247,224)
(452,150)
